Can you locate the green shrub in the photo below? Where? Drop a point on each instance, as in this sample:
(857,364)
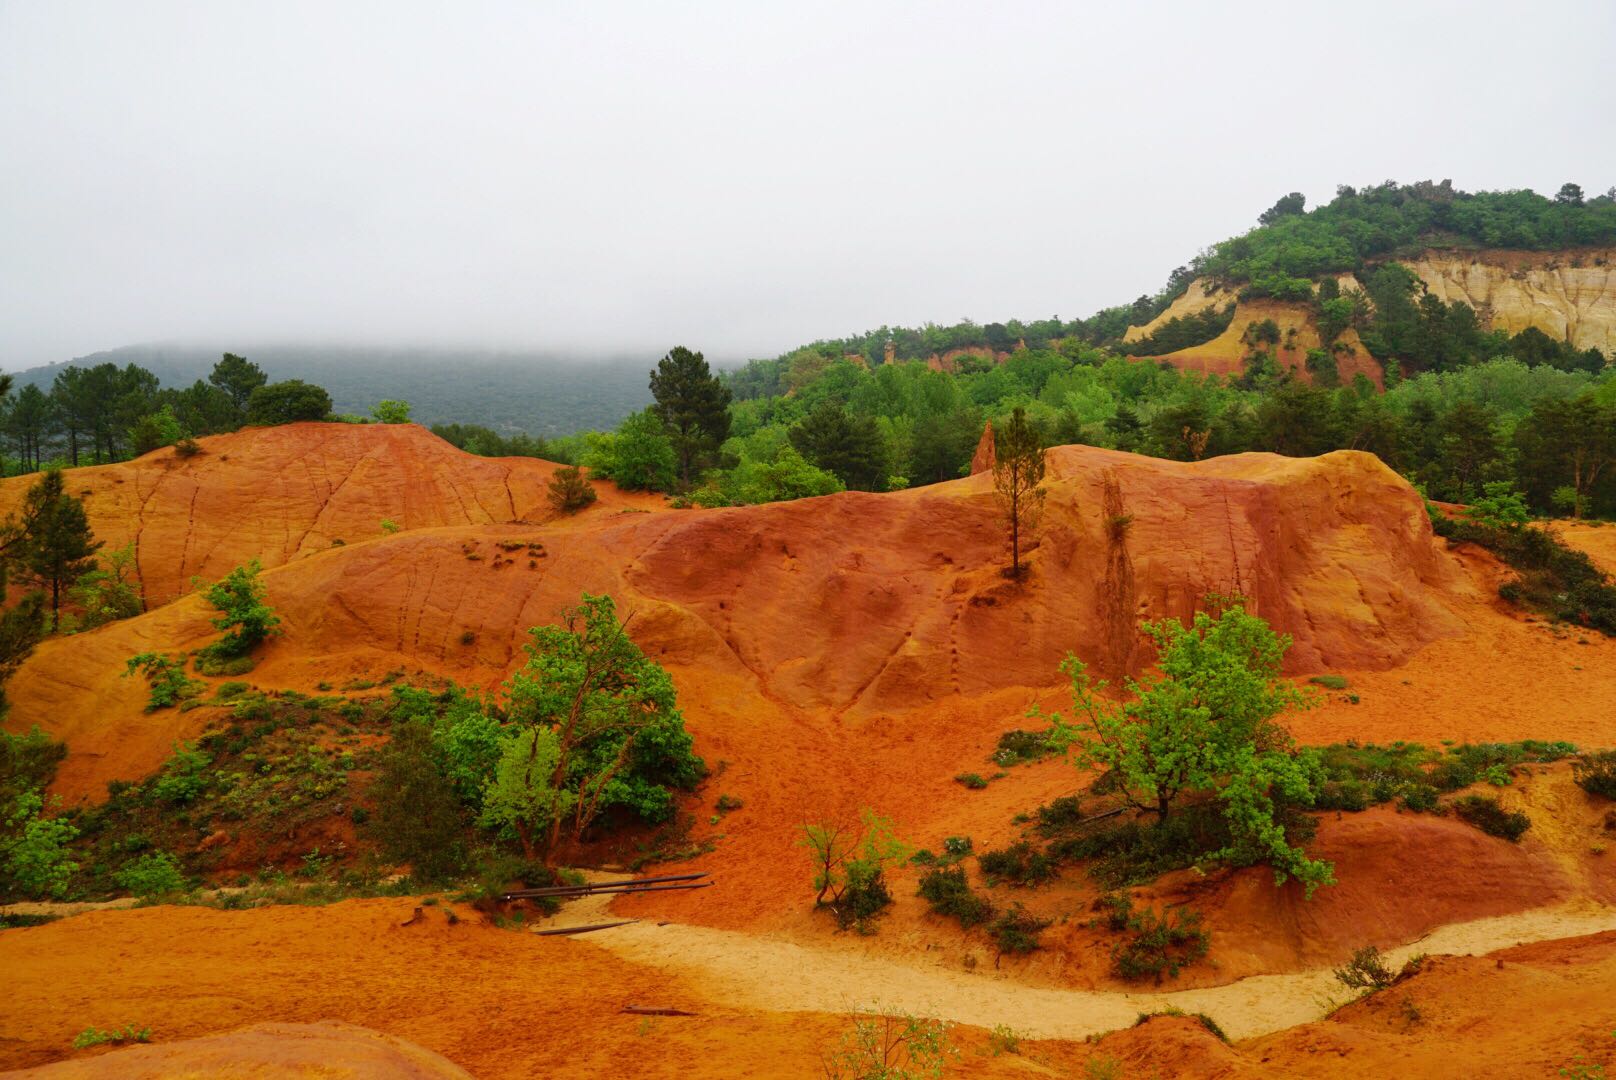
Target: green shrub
(184,775)
(972,780)
(1160,945)
(1062,813)
(1017,930)
(850,862)
(1204,1020)
(418,818)
(165,676)
(208,662)
(1018,747)
(152,876)
(949,893)
(1330,682)
(1595,773)
(93,1037)
(1365,971)
(727,804)
(243,615)
(1485,813)
(1020,862)
(34,862)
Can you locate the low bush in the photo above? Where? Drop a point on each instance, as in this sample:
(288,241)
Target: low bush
(1330,682)
(152,876)
(1017,930)
(94,1037)
(1485,813)
(165,677)
(850,862)
(1063,813)
(1020,863)
(1019,747)
(1367,970)
(1595,773)
(948,891)
(1160,945)
(208,662)
(974,781)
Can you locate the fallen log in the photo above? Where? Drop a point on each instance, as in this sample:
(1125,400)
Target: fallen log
(556,931)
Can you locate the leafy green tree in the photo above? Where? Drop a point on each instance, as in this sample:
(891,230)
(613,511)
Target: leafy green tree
(34,850)
(849,446)
(388,411)
(1294,203)
(788,476)
(1500,507)
(59,547)
(109,592)
(638,456)
(152,876)
(154,430)
(1018,476)
(693,405)
(1566,444)
(244,617)
(521,795)
(287,403)
(1205,727)
(613,713)
(1470,451)
(237,377)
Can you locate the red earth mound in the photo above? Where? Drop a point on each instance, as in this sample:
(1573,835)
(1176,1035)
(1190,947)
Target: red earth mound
(318,1051)
(275,494)
(853,606)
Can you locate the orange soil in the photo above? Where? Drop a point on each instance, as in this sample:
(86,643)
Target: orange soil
(276,494)
(1598,541)
(829,653)
(506,1004)
(497,1003)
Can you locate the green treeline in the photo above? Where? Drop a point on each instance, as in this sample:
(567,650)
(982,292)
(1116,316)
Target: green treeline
(94,415)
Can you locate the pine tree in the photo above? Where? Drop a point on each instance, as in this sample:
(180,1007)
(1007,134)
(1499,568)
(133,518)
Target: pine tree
(1018,470)
(692,405)
(838,442)
(237,377)
(59,546)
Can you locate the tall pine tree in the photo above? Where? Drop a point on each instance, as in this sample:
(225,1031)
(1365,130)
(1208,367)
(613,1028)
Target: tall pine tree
(1018,470)
(692,405)
(59,546)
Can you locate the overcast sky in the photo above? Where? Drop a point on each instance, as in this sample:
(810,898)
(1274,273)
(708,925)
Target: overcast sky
(741,178)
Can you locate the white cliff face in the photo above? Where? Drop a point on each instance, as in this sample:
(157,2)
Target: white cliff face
(1570,296)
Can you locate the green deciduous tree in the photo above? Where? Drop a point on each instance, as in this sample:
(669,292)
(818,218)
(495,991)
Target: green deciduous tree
(34,850)
(1205,727)
(619,738)
(637,456)
(1018,475)
(109,592)
(286,403)
(693,405)
(243,615)
(388,411)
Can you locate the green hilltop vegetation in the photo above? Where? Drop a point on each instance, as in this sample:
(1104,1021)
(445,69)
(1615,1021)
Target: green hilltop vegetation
(1465,410)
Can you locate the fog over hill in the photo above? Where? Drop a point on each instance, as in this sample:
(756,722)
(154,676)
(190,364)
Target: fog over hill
(538,393)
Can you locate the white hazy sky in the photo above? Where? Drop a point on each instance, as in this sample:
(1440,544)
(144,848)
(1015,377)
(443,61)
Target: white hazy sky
(741,178)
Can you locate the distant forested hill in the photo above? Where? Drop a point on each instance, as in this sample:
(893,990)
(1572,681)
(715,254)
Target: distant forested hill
(508,391)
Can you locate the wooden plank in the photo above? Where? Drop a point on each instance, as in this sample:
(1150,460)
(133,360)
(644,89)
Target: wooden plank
(555,931)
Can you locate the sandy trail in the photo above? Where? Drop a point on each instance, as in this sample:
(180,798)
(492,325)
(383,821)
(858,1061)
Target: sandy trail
(756,972)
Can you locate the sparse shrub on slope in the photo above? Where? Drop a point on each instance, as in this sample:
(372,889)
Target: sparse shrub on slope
(569,490)
(1017,930)
(165,675)
(1159,945)
(244,617)
(850,861)
(888,1045)
(1485,813)
(1595,773)
(948,891)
